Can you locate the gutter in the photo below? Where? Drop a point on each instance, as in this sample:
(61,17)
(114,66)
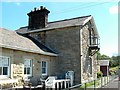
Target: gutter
(45,29)
(26,50)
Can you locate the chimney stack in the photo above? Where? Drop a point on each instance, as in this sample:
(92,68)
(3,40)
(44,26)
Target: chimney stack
(38,18)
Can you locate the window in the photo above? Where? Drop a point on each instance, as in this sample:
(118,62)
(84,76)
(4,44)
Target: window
(44,67)
(28,67)
(90,65)
(94,40)
(4,66)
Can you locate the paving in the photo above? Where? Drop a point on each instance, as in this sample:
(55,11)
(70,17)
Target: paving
(113,84)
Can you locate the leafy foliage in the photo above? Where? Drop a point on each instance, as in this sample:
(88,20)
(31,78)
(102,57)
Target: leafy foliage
(99,74)
(114,60)
(113,70)
(102,56)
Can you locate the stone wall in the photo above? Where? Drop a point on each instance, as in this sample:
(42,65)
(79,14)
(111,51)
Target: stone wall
(71,44)
(88,63)
(95,66)
(17,60)
(65,42)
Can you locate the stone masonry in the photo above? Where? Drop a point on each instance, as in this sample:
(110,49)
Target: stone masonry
(71,45)
(65,42)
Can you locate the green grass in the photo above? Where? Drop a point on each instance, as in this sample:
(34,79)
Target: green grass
(114,68)
(97,82)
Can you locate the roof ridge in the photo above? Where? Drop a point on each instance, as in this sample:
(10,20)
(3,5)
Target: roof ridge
(77,21)
(69,19)
(7,30)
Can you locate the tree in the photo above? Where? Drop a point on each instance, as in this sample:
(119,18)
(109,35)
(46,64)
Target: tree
(102,56)
(115,61)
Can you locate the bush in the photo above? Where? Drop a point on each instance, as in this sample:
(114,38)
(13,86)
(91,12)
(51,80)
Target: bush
(112,72)
(99,74)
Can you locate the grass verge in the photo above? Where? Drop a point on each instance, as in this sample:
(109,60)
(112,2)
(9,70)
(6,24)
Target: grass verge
(89,84)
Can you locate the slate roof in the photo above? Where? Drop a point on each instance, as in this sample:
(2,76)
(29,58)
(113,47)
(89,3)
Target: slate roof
(79,21)
(10,39)
(103,62)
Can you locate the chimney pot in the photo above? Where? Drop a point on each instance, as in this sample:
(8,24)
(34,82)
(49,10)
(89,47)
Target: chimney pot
(34,9)
(38,18)
(44,7)
(37,9)
(41,7)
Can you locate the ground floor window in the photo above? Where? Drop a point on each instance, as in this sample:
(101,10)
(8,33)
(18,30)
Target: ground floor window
(44,67)
(90,66)
(28,67)
(4,65)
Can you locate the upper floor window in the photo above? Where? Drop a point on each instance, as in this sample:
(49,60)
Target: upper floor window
(28,67)
(94,40)
(4,66)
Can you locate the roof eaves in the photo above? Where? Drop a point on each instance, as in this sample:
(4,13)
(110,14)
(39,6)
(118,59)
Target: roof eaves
(50,54)
(27,50)
(46,29)
(95,27)
(88,19)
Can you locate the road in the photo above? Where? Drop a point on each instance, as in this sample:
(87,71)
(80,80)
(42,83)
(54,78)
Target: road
(113,84)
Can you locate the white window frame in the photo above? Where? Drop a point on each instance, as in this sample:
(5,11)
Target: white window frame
(46,68)
(8,66)
(28,66)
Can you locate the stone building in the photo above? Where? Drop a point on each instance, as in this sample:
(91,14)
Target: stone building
(21,57)
(104,67)
(65,45)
